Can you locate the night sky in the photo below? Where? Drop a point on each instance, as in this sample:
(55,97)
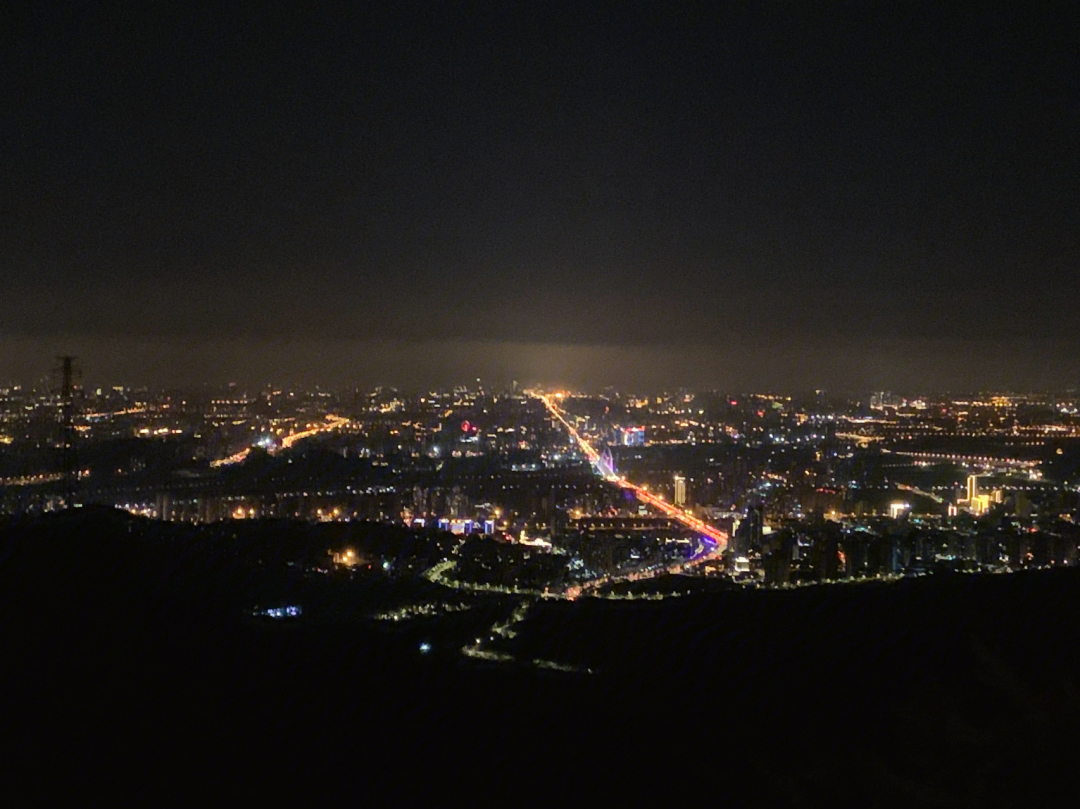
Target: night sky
(588,194)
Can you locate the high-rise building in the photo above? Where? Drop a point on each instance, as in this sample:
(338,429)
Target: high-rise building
(979,502)
(680,490)
(884,399)
(163,505)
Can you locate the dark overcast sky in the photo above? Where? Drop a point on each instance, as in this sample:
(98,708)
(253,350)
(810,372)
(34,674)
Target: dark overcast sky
(590,177)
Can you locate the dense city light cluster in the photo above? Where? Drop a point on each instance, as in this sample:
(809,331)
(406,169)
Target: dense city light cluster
(556,494)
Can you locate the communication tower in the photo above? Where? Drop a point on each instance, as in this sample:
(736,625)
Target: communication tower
(67,422)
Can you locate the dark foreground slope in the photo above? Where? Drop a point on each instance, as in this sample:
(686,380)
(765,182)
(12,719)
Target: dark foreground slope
(131,668)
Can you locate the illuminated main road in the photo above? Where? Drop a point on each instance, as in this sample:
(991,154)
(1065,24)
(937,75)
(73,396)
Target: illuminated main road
(713,536)
(332,423)
(713,543)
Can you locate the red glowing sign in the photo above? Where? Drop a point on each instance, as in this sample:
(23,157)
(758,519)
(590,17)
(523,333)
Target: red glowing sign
(465,426)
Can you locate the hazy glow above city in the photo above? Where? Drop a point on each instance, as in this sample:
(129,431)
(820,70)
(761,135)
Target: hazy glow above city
(741,363)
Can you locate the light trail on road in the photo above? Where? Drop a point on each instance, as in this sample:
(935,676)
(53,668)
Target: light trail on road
(332,423)
(715,535)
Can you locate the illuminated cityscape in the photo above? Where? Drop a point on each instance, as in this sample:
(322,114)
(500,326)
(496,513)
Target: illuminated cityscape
(646,404)
(544,487)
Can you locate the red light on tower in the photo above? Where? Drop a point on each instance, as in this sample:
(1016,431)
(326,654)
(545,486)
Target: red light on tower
(465,426)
